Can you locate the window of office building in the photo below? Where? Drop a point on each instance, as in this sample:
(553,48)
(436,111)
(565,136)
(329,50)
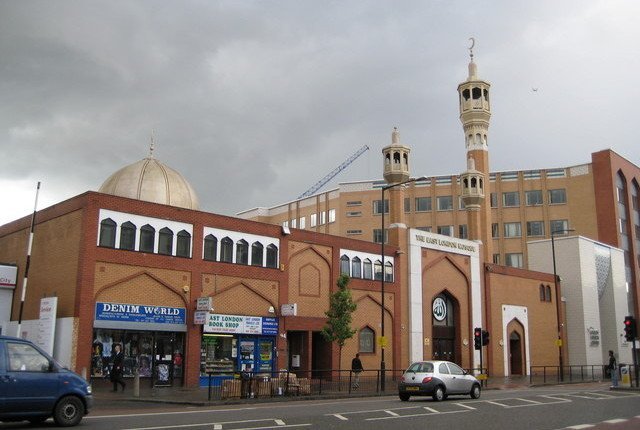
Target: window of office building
(377,235)
(494,200)
(496,258)
(559,226)
(377,207)
(495,230)
(512,229)
(557,196)
(446,230)
(302,223)
(534,197)
(423,204)
(445,203)
(462,231)
(535,228)
(313,220)
(510,199)
(513,260)
(425,228)
(332,215)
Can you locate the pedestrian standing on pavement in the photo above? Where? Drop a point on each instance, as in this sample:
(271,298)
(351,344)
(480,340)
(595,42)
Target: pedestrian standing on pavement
(613,368)
(356,368)
(117,360)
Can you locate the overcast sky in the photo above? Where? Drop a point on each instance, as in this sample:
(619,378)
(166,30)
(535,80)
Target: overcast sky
(255,101)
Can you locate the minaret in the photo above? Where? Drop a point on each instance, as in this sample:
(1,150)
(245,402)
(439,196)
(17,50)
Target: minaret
(475,113)
(396,170)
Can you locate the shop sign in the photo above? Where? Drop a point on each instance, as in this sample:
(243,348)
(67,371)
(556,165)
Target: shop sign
(140,313)
(8,276)
(240,324)
(594,336)
(204,303)
(47,323)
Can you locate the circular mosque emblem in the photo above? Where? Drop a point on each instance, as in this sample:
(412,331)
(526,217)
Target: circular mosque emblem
(439,309)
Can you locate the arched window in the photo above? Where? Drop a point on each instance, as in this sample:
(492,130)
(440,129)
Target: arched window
(226,250)
(242,252)
(272,256)
(547,294)
(366,340)
(388,271)
(377,270)
(541,292)
(108,233)
(147,238)
(367,269)
(165,241)
(128,236)
(183,248)
(356,268)
(344,265)
(257,252)
(396,158)
(210,247)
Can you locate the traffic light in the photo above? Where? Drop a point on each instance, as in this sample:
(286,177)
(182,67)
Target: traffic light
(477,338)
(485,338)
(630,330)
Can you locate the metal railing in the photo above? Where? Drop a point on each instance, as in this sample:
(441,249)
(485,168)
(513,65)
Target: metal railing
(302,383)
(548,375)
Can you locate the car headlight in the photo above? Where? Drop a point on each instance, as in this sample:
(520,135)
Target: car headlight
(88,389)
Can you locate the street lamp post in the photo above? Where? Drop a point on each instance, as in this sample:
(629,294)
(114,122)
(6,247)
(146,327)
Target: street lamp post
(382,277)
(558,301)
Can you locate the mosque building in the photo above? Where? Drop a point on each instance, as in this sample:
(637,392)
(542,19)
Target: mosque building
(190,293)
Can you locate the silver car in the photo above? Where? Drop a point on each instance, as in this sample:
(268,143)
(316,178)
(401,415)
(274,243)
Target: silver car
(438,379)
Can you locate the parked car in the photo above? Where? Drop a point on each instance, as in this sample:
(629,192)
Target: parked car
(438,379)
(34,387)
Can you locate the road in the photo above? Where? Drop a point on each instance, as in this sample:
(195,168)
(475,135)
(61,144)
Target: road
(545,408)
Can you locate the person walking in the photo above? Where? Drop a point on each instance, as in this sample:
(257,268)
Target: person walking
(613,368)
(117,360)
(356,368)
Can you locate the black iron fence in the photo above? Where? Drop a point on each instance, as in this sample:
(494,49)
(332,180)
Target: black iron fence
(547,375)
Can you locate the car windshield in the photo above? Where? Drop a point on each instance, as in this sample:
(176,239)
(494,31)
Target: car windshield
(421,367)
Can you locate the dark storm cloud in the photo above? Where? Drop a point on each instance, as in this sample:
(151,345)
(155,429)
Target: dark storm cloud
(255,101)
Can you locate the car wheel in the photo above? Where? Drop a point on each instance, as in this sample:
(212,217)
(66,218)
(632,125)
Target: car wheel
(475,391)
(438,394)
(68,411)
(404,397)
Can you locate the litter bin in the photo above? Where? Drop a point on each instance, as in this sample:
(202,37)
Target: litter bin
(625,375)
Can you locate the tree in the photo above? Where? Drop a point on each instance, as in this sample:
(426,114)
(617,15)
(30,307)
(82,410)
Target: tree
(341,306)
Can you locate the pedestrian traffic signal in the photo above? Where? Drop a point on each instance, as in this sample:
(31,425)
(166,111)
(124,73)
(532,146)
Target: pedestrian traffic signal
(630,330)
(477,338)
(485,338)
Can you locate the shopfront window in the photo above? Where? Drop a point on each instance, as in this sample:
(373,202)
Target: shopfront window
(217,354)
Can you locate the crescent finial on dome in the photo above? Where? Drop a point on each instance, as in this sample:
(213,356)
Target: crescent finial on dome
(151,146)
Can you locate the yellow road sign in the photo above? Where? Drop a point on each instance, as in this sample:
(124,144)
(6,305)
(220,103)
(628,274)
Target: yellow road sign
(382,341)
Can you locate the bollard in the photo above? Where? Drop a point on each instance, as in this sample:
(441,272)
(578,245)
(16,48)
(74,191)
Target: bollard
(136,384)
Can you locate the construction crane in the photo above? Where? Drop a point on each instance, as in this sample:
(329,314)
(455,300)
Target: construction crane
(322,182)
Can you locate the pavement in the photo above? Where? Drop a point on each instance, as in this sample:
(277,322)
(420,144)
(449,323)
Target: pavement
(106,399)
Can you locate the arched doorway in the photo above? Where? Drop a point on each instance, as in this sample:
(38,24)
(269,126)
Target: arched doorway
(444,316)
(515,353)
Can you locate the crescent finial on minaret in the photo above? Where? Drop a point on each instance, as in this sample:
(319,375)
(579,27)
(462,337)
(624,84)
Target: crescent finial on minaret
(151,146)
(473,43)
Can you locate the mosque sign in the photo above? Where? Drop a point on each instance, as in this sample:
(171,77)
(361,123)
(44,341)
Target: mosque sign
(439,309)
(445,242)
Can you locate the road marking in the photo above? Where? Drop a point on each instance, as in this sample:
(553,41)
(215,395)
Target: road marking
(530,401)
(392,413)
(431,410)
(218,425)
(414,415)
(340,417)
(615,421)
(581,426)
(465,406)
(496,403)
